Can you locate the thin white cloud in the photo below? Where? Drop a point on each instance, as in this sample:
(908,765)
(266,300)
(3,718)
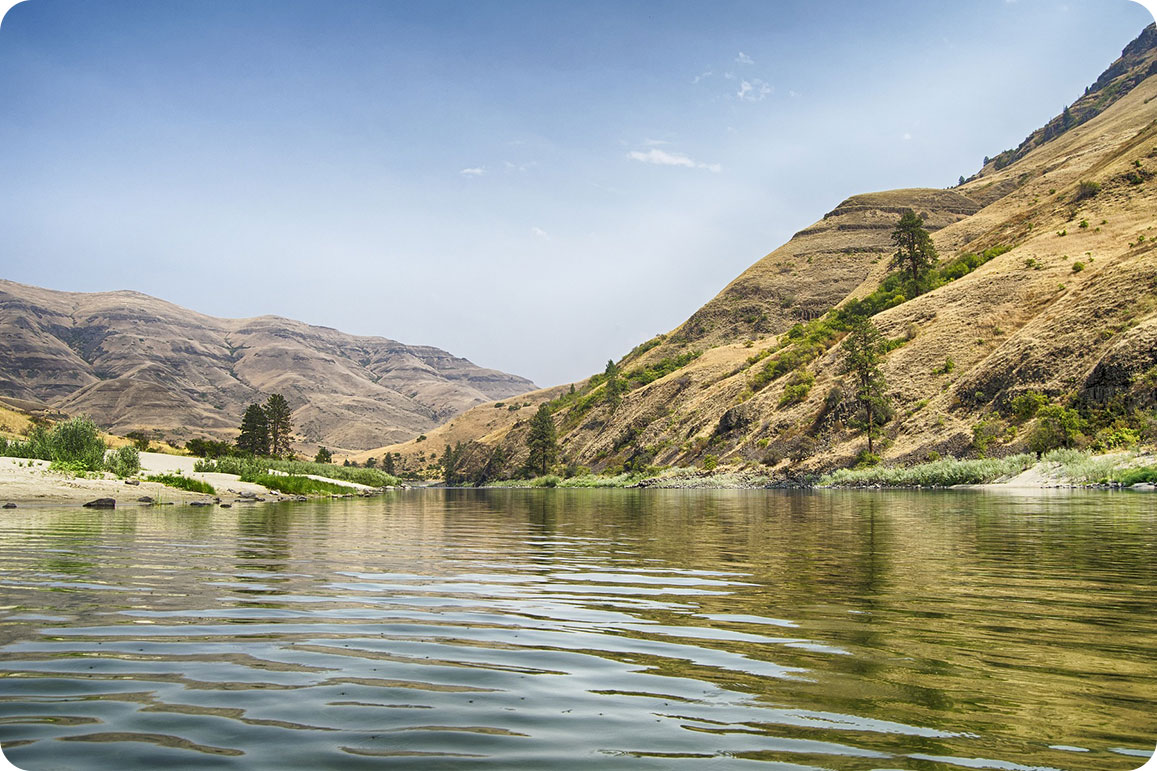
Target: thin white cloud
(701,76)
(477,171)
(658,157)
(906,136)
(754,90)
(540,233)
(655,142)
(744,59)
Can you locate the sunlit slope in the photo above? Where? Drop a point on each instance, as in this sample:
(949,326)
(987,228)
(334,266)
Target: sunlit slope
(1068,311)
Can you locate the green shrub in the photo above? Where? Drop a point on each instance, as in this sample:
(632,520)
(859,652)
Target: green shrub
(797,388)
(77,440)
(182,482)
(984,433)
(124,461)
(710,462)
(1135,476)
(1057,426)
(1024,406)
(1115,438)
(1078,266)
(210,448)
(866,460)
(1086,189)
(73,444)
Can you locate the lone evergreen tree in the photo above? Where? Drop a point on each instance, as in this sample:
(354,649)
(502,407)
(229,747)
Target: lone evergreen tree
(614,390)
(864,350)
(323,456)
(277,413)
(541,441)
(254,438)
(388,463)
(914,250)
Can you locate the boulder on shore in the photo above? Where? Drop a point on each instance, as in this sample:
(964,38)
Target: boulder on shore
(101,503)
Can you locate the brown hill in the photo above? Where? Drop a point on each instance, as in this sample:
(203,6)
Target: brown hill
(135,362)
(1067,307)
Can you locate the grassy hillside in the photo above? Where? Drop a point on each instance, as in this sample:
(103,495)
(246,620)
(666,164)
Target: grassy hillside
(1047,292)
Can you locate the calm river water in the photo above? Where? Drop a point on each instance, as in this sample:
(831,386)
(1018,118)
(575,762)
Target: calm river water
(549,629)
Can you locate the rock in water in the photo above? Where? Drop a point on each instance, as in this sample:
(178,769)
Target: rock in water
(9,505)
(102,503)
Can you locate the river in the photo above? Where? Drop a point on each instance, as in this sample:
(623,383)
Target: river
(554,629)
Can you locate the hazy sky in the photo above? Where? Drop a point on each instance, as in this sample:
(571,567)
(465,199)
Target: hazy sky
(537,186)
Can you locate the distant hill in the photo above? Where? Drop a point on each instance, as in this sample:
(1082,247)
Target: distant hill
(1066,307)
(135,362)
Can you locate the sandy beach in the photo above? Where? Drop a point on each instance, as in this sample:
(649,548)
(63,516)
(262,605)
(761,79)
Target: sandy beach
(32,482)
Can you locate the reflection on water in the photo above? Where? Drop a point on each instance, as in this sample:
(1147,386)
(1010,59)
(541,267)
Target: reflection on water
(574,629)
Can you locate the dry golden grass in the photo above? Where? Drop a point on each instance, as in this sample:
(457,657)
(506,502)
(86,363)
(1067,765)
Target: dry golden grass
(1024,320)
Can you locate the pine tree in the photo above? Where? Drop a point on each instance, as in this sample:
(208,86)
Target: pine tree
(542,442)
(864,350)
(280,420)
(254,438)
(451,462)
(323,456)
(914,250)
(614,389)
(388,463)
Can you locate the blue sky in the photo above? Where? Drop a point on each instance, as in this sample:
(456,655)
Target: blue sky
(537,186)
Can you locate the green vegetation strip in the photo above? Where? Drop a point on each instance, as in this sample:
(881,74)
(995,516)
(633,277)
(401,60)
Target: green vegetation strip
(182,482)
(293,485)
(248,466)
(940,473)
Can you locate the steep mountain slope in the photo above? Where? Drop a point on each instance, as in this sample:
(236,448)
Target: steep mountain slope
(1030,318)
(135,362)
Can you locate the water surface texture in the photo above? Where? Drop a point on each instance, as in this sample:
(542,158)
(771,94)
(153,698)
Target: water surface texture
(582,629)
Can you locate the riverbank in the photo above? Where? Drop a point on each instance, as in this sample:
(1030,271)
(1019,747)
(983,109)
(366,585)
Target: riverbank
(32,482)
(1056,469)
(25,482)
